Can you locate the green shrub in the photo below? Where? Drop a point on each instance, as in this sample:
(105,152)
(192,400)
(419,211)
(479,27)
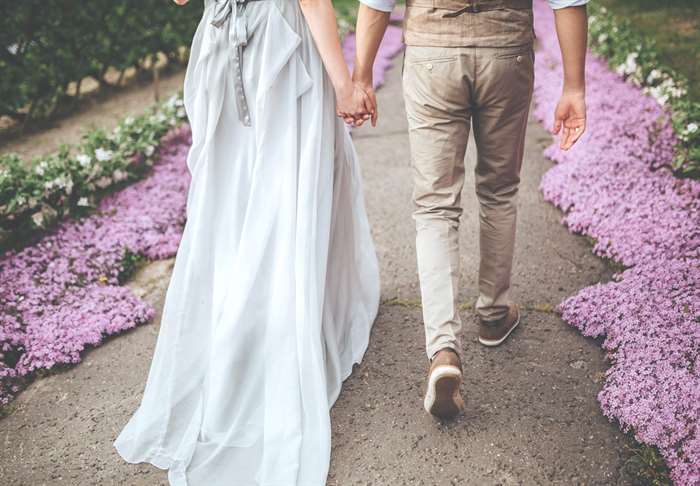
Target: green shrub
(47,44)
(34,195)
(637,59)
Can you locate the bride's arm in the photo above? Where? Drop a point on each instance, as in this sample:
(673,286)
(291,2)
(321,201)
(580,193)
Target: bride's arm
(352,101)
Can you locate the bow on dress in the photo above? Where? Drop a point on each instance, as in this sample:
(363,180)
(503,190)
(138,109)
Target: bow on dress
(238,39)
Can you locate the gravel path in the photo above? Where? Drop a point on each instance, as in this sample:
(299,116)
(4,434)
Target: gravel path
(532,415)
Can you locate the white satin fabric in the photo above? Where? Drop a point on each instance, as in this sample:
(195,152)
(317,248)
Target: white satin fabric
(275,285)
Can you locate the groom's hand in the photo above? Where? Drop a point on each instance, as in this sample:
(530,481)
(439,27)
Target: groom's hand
(570,118)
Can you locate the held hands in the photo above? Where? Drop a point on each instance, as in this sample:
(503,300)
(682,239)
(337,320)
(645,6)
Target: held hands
(570,118)
(365,83)
(356,104)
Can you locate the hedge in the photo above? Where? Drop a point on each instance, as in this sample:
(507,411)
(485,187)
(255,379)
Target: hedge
(47,44)
(35,195)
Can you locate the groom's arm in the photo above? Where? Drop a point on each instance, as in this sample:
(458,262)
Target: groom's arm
(372,21)
(572,31)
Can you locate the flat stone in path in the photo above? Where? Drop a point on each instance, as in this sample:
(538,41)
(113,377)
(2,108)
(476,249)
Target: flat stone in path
(532,415)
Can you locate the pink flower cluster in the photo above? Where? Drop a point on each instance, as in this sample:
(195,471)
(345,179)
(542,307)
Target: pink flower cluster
(612,189)
(64,294)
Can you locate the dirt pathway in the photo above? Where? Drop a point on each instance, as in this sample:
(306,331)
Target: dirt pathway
(101,111)
(532,415)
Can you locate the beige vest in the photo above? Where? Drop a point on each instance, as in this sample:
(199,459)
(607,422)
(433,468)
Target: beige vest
(467,23)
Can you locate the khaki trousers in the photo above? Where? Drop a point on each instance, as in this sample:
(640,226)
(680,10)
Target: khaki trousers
(447,90)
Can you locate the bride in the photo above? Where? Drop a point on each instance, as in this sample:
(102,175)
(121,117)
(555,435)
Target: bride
(275,285)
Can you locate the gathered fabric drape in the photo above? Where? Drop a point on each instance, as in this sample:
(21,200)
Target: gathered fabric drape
(275,285)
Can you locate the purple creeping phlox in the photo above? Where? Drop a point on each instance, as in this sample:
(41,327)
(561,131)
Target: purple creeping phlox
(611,189)
(63,293)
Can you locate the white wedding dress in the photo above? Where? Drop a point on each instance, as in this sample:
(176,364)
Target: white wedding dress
(275,285)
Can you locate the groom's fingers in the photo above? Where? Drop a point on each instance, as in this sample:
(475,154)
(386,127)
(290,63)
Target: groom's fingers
(368,107)
(374,112)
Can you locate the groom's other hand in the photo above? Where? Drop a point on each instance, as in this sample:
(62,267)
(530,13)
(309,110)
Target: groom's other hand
(370,29)
(570,113)
(570,118)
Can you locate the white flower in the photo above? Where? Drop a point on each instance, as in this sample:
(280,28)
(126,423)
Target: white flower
(128,120)
(84,160)
(68,184)
(602,38)
(150,150)
(38,218)
(161,118)
(654,75)
(103,182)
(103,155)
(181,113)
(41,168)
(677,92)
(119,175)
(48,185)
(83,201)
(692,127)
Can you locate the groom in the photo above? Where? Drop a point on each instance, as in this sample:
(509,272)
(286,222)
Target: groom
(469,64)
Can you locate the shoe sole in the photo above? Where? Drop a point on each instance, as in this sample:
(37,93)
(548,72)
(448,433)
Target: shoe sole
(496,342)
(442,398)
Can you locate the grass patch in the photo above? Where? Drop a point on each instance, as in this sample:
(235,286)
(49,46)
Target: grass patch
(674,25)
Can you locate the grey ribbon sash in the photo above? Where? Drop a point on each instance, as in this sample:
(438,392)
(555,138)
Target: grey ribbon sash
(238,39)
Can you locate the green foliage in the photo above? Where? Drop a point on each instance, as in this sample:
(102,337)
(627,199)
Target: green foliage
(47,44)
(637,59)
(130,263)
(35,195)
(646,465)
(675,26)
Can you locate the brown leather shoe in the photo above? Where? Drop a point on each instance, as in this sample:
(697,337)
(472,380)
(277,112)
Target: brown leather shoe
(442,397)
(494,333)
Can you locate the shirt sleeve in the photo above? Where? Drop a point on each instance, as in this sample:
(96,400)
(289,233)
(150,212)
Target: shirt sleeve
(557,4)
(381,5)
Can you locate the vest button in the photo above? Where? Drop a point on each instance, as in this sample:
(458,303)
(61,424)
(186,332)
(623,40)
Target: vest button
(519,59)
(429,67)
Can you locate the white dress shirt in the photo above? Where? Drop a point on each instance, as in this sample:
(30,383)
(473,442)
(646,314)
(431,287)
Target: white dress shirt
(388,5)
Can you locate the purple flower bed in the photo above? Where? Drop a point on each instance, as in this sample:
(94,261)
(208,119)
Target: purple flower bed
(611,189)
(64,293)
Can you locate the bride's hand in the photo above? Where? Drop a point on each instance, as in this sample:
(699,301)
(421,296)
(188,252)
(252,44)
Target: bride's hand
(181,2)
(354,105)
